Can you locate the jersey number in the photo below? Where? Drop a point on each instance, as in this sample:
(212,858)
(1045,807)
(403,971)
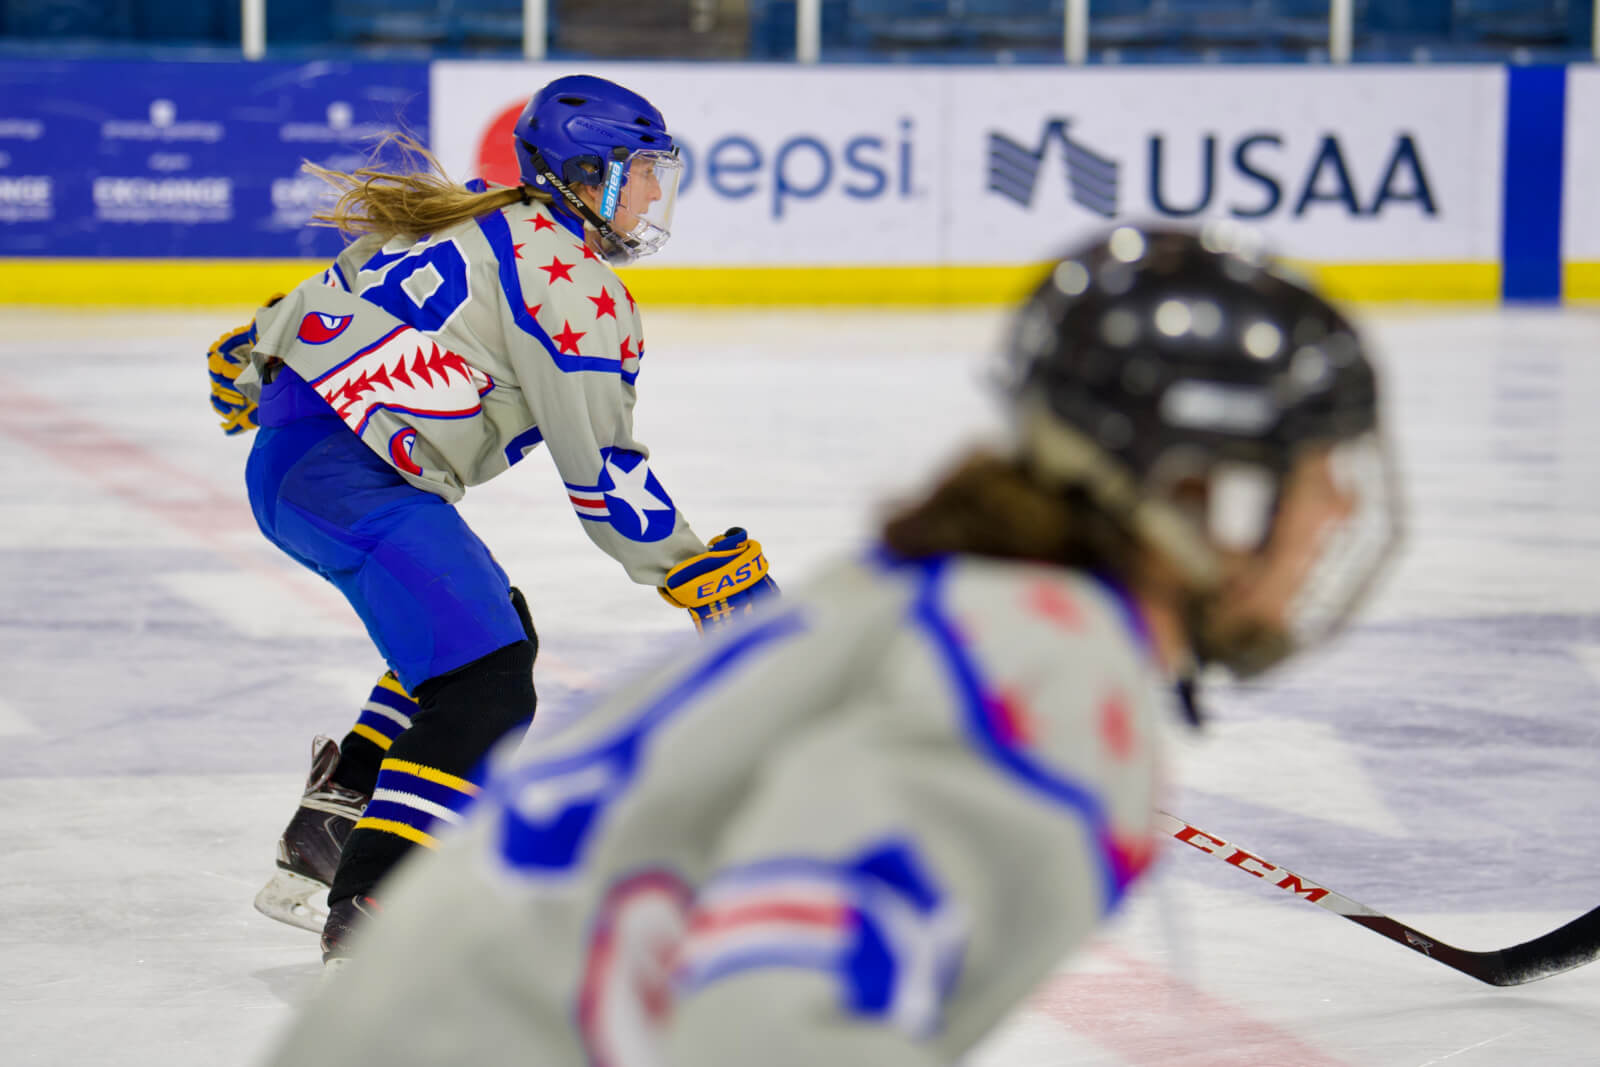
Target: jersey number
(425,288)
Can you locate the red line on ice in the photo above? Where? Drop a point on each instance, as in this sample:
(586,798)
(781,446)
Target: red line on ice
(221,521)
(138,477)
(1149,1016)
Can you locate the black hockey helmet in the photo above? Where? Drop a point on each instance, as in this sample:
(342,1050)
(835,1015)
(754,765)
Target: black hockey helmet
(1177,377)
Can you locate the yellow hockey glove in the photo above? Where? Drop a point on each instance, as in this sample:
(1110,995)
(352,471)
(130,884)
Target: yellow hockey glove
(229,355)
(718,584)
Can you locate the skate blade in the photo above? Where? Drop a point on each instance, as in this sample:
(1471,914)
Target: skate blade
(294,899)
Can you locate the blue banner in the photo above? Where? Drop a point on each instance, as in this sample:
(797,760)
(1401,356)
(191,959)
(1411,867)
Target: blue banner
(143,159)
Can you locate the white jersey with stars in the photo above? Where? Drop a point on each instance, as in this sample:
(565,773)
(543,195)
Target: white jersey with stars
(455,354)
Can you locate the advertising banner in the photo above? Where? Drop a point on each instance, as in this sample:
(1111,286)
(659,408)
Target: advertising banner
(1354,165)
(782,165)
(1580,234)
(828,166)
(139,159)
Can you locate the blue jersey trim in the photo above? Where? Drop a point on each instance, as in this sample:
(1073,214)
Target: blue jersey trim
(552,844)
(970,689)
(574,225)
(890,926)
(675,699)
(761,957)
(380,259)
(519,446)
(1132,614)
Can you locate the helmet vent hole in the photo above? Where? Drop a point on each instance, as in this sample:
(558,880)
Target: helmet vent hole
(574,101)
(647,139)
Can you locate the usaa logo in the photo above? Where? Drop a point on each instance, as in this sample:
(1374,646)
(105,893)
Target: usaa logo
(1250,176)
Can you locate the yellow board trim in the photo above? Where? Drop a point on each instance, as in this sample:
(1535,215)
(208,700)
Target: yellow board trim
(1581,281)
(1391,282)
(243,284)
(399,829)
(888,286)
(958,285)
(363,730)
(460,785)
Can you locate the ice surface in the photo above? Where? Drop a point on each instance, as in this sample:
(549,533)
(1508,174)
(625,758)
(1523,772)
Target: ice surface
(162,671)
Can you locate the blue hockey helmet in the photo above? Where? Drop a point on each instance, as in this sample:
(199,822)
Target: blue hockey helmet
(583,130)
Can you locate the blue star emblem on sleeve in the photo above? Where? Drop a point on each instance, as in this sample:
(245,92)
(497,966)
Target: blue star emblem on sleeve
(627,497)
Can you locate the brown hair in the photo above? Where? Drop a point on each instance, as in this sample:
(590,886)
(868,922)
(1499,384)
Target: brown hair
(990,505)
(411,202)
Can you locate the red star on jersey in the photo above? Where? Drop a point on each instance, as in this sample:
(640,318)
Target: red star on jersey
(541,222)
(1116,727)
(558,271)
(1050,602)
(567,339)
(627,353)
(588,253)
(516,251)
(604,305)
(631,305)
(533,310)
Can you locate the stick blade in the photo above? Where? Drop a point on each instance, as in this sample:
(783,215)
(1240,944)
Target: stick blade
(1573,945)
(1564,949)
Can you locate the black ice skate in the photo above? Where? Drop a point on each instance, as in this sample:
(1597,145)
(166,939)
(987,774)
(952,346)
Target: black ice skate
(308,851)
(343,918)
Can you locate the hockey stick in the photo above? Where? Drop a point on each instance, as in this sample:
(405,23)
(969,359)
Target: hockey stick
(1571,946)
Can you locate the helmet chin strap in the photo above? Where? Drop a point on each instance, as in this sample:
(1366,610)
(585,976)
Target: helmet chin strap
(608,235)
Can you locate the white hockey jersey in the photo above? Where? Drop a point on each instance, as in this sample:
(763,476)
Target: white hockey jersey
(456,354)
(854,832)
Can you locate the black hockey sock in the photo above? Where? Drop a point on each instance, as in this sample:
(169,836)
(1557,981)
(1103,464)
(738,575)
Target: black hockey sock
(358,764)
(385,716)
(460,716)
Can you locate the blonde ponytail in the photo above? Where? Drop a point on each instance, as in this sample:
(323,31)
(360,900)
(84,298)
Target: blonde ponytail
(411,202)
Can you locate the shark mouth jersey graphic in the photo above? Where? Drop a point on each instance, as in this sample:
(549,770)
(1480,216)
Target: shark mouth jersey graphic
(403,371)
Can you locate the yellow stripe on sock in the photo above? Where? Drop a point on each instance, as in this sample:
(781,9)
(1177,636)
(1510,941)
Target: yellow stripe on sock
(363,730)
(391,683)
(399,829)
(429,774)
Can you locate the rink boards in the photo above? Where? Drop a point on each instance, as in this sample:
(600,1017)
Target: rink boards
(855,185)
